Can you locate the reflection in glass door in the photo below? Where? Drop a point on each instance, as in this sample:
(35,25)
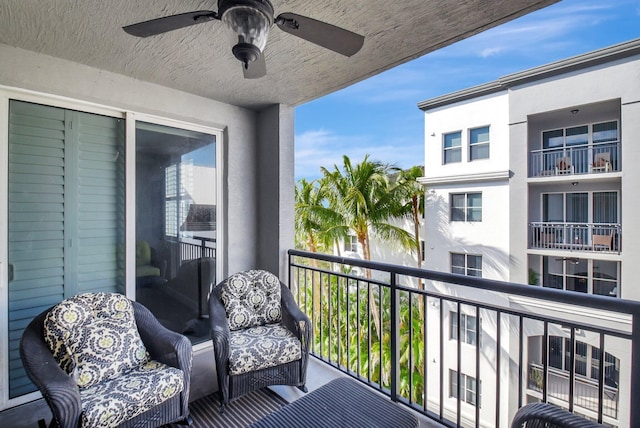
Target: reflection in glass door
(176,205)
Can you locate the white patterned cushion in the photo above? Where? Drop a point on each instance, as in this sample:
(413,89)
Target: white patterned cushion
(251,298)
(94,336)
(110,403)
(260,347)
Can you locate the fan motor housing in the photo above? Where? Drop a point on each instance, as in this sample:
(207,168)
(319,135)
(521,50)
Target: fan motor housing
(263,6)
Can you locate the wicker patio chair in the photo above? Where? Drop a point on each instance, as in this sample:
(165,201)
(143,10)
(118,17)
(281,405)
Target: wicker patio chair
(260,336)
(545,415)
(86,358)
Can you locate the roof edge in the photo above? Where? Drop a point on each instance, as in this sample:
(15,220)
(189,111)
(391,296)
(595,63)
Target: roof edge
(578,62)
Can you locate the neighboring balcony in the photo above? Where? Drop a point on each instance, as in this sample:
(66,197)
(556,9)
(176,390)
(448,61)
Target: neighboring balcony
(590,237)
(576,160)
(585,391)
(466,351)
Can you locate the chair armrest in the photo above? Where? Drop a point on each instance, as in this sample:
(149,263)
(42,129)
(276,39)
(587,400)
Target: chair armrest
(163,345)
(219,329)
(548,415)
(219,325)
(58,388)
(293,317)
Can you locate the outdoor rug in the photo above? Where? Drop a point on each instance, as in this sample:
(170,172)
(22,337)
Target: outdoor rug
(240,413)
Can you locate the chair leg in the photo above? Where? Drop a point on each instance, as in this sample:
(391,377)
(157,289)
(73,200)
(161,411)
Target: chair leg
(188,421)
(222,408)
(303,388)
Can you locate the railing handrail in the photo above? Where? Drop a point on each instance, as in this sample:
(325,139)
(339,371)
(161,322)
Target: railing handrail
(180,239)
(577,146)
(560,223)
(622,306)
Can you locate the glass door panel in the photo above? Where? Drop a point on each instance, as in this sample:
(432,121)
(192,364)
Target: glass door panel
(176,204)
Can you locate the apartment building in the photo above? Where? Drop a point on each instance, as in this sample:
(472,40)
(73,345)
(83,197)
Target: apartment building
(525,178)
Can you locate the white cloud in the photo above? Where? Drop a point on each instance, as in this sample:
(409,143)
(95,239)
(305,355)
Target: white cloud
(487,52)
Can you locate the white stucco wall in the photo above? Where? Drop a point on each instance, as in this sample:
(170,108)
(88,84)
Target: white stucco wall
(488,238)
(490,110)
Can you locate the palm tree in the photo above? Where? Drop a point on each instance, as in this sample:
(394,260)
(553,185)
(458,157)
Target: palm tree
(317,226)
(362,194)
(414,203)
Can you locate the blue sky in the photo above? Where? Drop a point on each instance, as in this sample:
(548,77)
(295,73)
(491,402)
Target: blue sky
(379,116)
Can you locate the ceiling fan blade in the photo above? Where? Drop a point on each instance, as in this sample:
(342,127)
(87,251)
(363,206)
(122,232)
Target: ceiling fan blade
(169,23)
(326,35)
(257,68)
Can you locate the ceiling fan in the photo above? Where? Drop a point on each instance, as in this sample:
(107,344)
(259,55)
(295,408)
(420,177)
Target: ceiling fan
(248,23)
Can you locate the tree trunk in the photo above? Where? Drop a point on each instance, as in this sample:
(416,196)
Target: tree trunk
(416,234)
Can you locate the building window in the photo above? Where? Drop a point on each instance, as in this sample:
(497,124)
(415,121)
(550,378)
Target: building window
(422,247)
(468,389)
(468,328)
(351,244)
(587,360)
(605,132)
(479,143)
(581,275)
(466,264)
(453,147)
(466,207)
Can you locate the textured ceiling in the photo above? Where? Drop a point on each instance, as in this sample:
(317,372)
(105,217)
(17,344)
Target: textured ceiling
(198,59)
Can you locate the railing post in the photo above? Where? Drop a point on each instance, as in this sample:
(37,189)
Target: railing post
(395,337)
(634,391)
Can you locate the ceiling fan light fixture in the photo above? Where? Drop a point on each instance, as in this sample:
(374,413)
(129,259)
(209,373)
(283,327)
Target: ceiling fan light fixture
(247,23)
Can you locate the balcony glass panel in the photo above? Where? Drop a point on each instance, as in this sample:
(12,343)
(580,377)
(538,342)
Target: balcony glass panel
(176,225)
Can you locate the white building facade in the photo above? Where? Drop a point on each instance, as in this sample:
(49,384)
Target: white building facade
(525,178)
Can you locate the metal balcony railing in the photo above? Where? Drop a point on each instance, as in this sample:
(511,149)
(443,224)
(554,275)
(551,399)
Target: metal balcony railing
(460,349)
(592,237)
(574,160)
(189,249)
(585,392)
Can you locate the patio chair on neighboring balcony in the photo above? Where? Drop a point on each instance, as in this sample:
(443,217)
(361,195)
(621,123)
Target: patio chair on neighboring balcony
(545,415)
(602,242)
(260,336)
(564,166)
(602,163)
